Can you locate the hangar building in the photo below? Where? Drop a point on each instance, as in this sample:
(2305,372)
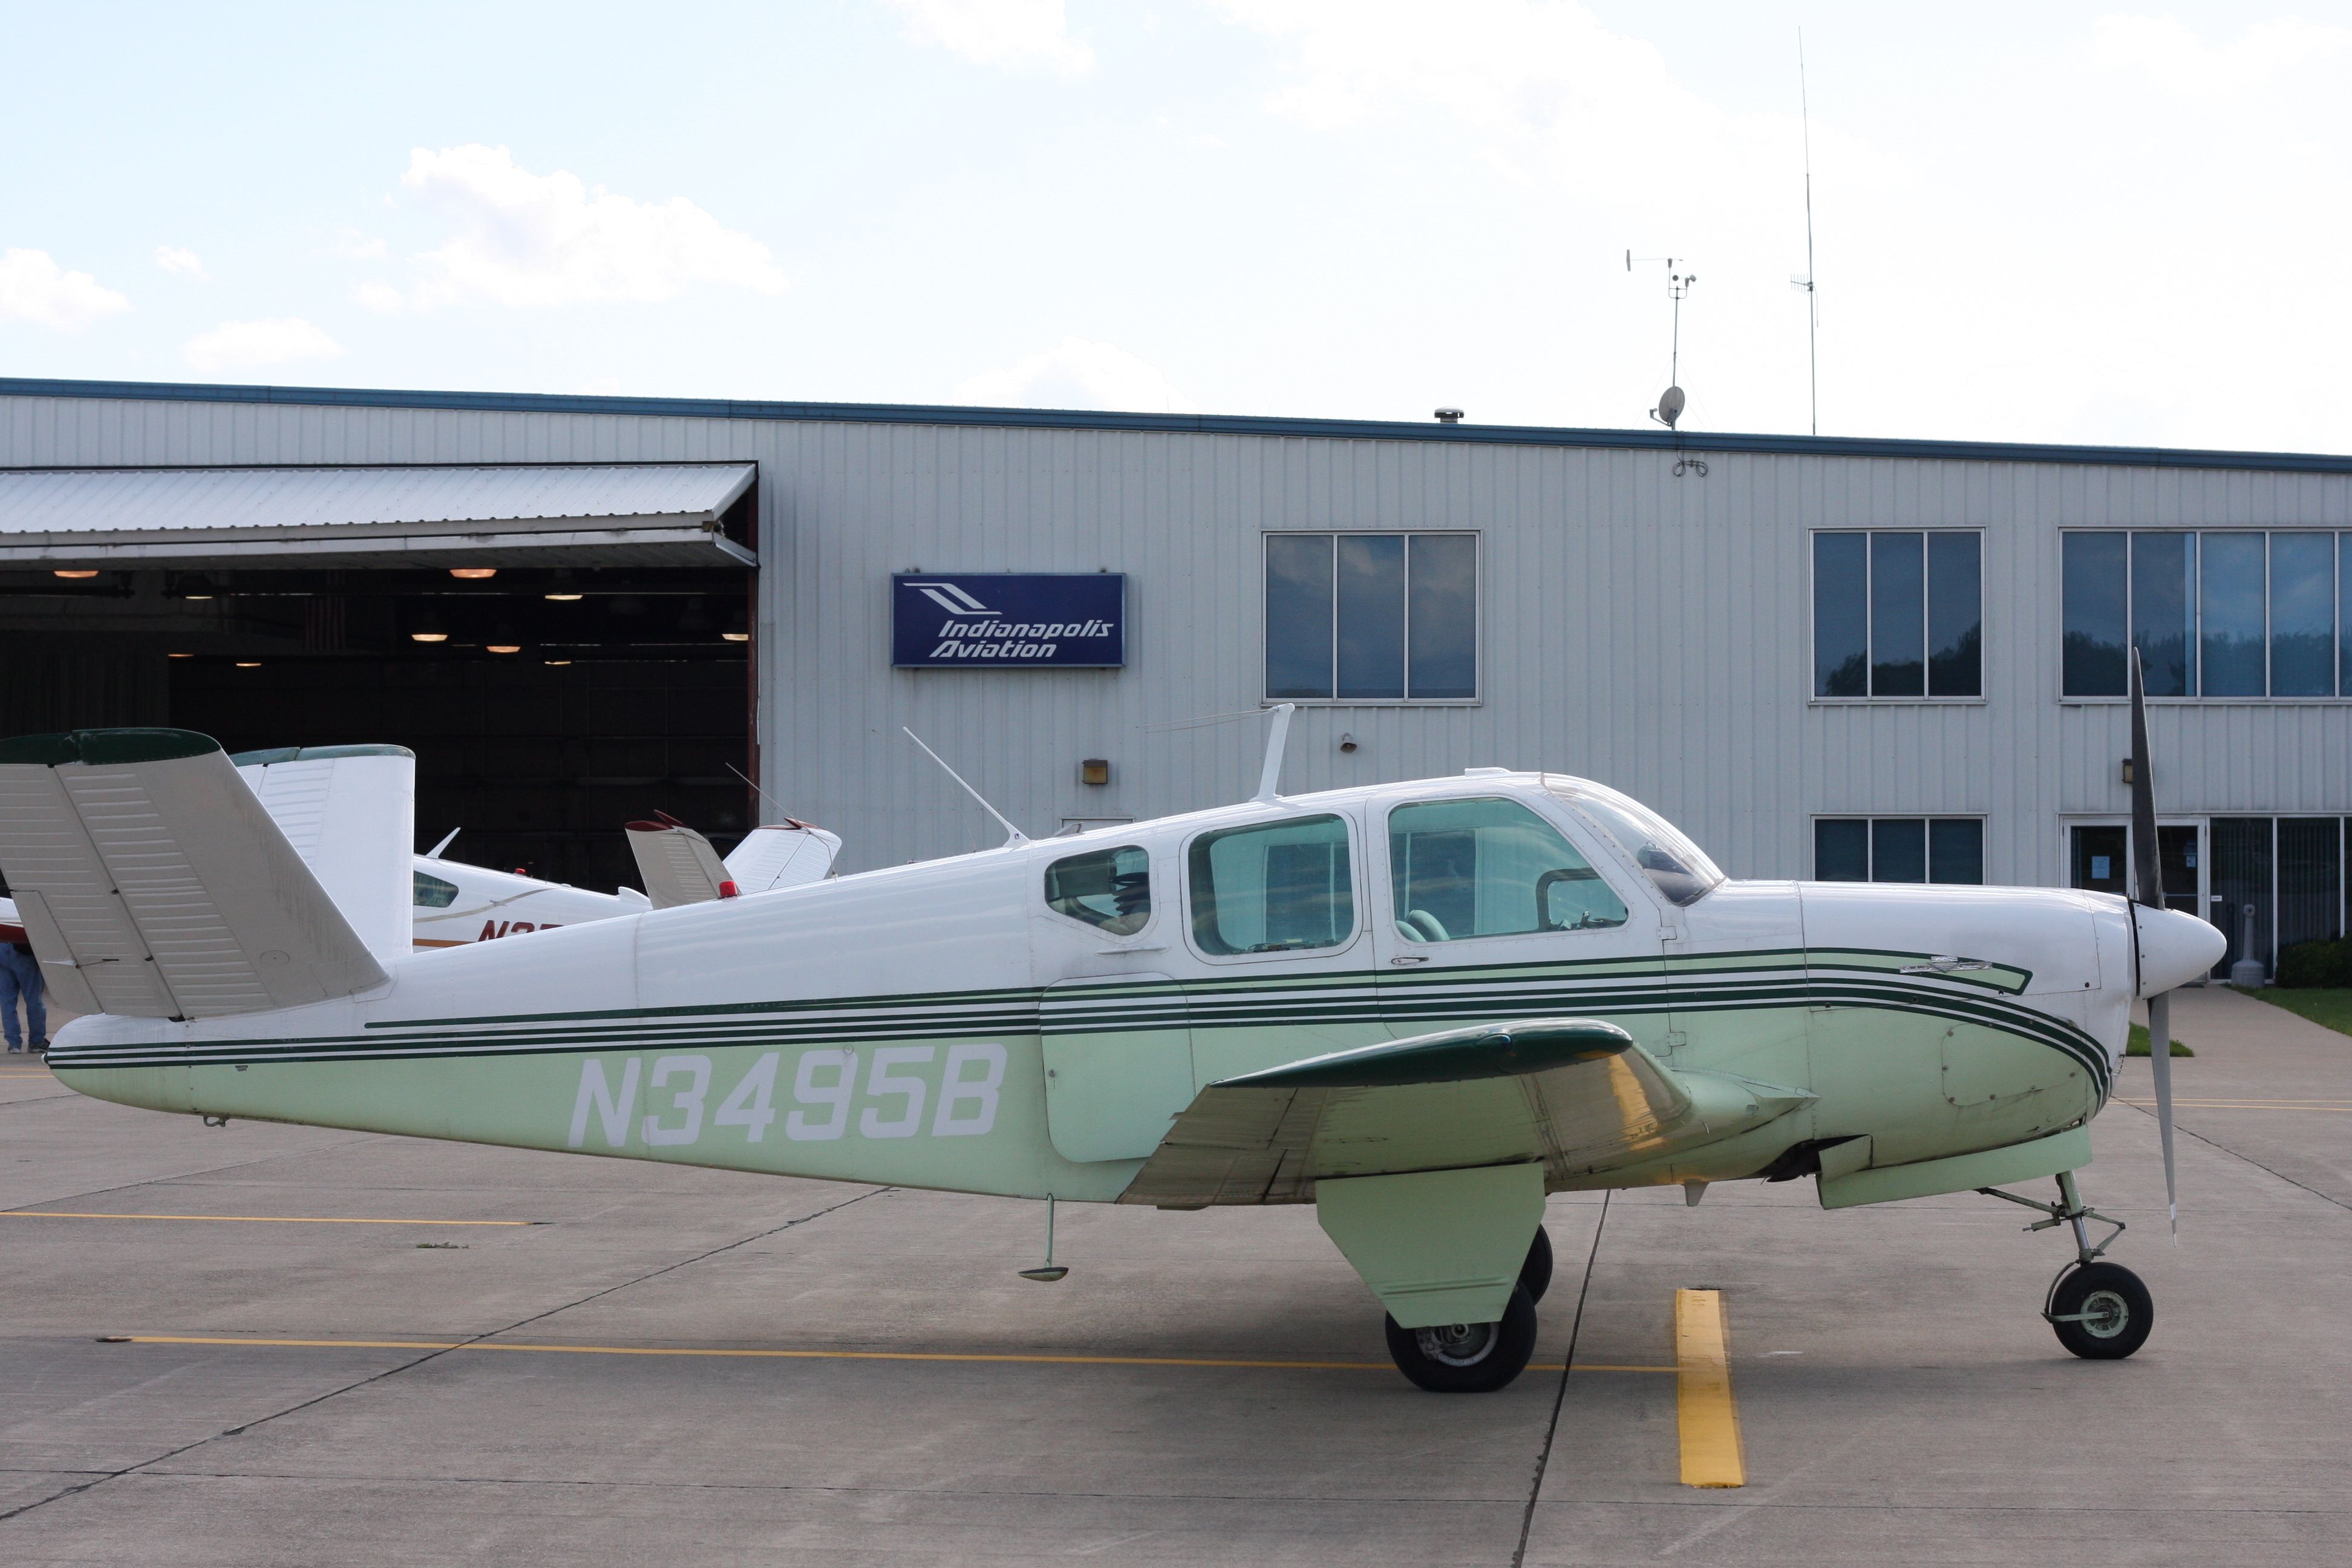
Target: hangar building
(1830,657)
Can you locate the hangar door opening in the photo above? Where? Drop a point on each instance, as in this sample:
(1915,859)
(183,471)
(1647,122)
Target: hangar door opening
(558,673)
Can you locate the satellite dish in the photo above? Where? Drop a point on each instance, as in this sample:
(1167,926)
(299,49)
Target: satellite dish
(1669,408)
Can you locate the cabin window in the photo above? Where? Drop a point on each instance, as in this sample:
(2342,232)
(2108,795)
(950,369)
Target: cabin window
(1371,617)
(1460,868)
(1110,889)
(428,892)
(1899,849)
(1899,614)
(2240,613)
(1279,887)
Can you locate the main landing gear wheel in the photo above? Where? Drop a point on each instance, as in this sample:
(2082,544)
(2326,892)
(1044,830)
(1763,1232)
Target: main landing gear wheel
(1535,1274)
(1467,1358)
(2101,1312)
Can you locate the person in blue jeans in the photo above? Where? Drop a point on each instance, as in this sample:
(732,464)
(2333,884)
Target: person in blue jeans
(20,972)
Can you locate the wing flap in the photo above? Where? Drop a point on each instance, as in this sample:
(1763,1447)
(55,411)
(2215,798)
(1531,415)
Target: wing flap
(1577,1094)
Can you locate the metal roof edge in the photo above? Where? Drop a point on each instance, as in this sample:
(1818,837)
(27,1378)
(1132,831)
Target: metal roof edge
(1695,442)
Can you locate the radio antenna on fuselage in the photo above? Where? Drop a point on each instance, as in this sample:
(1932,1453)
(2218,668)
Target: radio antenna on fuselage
(1277,738)
(1017,836)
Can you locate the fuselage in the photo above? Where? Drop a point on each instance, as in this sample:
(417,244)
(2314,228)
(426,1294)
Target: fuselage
(1026,1020)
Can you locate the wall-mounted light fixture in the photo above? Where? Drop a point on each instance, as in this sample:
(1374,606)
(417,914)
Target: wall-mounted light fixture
(1347,743)
(1094,771)
(2128,770)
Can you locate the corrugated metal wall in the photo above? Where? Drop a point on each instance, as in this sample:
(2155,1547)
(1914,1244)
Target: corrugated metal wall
(1644,629)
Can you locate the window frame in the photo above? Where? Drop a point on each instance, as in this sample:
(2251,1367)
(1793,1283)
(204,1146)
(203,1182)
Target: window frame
(1927,603)
(1352,821)
(1151,866)
(1928,819)
(1478,616)
(2343,677)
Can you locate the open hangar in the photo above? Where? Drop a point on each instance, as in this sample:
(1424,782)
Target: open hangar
(1828,657)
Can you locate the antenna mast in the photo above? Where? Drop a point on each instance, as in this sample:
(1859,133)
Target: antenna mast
(1015,834)
(1812,297)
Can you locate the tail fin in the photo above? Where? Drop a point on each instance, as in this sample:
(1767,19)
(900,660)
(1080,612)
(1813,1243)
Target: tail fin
(153,884)
(678,865)
(351,813)
(786,857)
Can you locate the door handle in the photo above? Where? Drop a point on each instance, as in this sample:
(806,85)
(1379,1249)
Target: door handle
(1409,958)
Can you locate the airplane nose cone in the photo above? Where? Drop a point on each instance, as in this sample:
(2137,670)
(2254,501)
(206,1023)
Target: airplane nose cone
(2174,948)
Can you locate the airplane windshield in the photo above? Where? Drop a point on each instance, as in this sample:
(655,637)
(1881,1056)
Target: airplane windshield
(1679,868)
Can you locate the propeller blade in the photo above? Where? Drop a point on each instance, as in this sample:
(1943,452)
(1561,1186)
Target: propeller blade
(2159,1057)
(2147,878)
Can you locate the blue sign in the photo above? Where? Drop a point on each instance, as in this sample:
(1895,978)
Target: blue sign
(1001,620)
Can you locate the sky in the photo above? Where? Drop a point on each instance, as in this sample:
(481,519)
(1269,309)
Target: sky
(2046,222)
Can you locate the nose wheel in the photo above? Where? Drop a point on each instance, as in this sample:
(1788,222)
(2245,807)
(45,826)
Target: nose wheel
(2100,1311)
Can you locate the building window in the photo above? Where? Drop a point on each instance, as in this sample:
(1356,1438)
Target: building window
(2237,614)
(1371,617)
(1899,849)
(1898,615)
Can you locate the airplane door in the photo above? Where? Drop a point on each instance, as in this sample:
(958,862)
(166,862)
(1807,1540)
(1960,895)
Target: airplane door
(1490,911)
(1119,1063)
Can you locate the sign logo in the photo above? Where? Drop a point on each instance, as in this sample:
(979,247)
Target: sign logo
(1018,620)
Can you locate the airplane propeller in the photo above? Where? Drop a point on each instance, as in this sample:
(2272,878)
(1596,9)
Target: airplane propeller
(2147,878)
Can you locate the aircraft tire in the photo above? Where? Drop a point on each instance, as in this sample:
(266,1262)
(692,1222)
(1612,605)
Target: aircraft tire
(2121,1311)
(1467,1358)
(1535,1274)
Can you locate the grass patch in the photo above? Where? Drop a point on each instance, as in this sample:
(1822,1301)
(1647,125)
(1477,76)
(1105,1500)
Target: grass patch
(2138,1046)
(2331,1007)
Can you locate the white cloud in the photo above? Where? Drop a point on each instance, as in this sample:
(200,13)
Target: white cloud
(34,288)
(379,296)
(1015,33)
(281,340)
(356,244)
(2171,55)
(172,258)
(524,239)
(1079,373)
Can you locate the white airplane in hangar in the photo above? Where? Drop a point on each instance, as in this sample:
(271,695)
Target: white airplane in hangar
(1419,1006)
(350,810)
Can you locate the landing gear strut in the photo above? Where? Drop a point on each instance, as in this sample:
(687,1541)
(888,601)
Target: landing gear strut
(2100,1311)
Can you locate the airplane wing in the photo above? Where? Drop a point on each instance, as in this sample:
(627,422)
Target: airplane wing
(153,884)
(678,865)
(1574,1093)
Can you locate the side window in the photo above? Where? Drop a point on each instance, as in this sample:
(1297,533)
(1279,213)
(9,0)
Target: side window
(1462,868)
(429,892)
(1108,888)
(1277,888)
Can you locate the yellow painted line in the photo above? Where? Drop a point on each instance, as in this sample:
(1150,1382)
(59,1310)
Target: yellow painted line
(2247,1104)
(1703,1402)
(249,1218)
(803,1355)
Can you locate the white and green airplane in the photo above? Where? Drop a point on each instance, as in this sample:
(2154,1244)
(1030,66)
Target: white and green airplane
(1419,1006)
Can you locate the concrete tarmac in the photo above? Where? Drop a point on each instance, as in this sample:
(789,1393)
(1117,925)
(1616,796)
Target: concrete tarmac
(441,1393)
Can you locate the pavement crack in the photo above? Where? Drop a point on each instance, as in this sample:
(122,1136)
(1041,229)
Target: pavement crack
(389,1371)
(1559,1395)
(2249,1159)
(191,1176)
